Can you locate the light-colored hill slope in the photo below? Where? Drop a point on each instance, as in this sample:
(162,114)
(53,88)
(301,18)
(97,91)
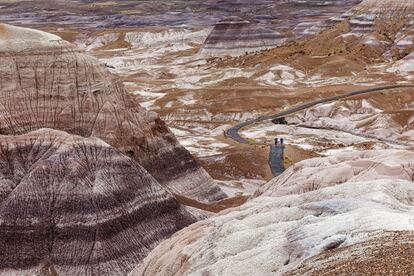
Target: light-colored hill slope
(335,207)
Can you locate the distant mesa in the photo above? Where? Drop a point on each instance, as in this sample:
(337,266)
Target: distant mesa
(235,36)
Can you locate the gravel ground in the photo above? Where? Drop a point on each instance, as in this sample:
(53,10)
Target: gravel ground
(389,253)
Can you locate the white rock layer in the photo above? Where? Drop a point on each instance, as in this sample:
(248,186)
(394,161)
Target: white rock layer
(274,234)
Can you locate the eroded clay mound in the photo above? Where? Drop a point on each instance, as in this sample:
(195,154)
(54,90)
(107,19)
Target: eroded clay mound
(46,82)
(269,236)
(272,235)
(77,206)
(235,36)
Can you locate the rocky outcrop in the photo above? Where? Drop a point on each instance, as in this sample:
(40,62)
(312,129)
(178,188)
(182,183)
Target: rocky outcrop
(277,233)
(235,36)
(77,206)
(46,82)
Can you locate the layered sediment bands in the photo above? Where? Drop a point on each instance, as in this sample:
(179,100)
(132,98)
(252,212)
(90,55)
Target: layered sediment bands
(235,36)
(77,206)
(383,16)
(389,6)
(289,21)
(46,82)
(362,24)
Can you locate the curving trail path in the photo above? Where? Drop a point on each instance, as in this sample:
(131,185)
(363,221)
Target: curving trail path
(276,153)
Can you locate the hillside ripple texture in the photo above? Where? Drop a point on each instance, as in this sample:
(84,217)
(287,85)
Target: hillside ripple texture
(77,206)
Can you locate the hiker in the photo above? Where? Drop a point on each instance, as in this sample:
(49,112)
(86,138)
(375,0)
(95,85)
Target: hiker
(276,141)
(281,141)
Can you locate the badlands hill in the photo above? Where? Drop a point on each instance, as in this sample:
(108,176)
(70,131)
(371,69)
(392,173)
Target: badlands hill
(324,215)
(77,206)
(234,36)
(49,83)
(87,175)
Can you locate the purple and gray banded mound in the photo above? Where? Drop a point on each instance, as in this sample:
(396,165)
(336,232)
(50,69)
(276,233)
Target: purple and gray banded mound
(77,206)
(235,36)
(86,174)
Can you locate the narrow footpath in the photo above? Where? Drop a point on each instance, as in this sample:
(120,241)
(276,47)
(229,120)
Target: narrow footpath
(276,159)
